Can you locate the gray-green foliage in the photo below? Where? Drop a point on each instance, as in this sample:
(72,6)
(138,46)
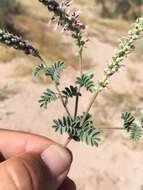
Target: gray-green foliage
(70,92)
(132,127)
(78,127)
(86,81)
(87,133)
(135,133)
(128,120)
(47,97)
(39,69)
(53,71)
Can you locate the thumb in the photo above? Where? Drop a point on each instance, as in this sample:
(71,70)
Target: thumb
(35,172)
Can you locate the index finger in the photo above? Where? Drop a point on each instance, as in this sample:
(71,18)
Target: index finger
(16,142)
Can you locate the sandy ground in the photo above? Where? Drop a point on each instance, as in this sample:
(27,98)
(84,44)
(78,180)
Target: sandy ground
(117,163)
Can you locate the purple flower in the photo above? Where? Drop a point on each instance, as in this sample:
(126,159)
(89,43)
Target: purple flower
(67,21)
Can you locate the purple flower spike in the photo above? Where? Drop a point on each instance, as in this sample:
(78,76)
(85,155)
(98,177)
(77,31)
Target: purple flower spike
(68,22)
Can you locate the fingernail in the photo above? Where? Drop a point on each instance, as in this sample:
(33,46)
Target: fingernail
(57,159)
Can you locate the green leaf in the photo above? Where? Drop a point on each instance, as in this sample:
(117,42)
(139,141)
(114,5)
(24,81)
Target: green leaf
(135,133)
(39,69)
(47,98)
(86,81)
(86,133)
(128,120)
(66,126)
(131,126)
(70,92)
(54,71)
(90,135)
(88,121)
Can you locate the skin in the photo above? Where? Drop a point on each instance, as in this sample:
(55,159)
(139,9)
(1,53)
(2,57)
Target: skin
(21,166)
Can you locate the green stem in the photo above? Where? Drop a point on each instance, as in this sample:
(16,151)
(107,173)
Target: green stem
(68,140)
(81,60)
(98,90)
(63,103)
(76,106)
(81,72)
(41,59)
(58,90)
(89,106)
(114,128)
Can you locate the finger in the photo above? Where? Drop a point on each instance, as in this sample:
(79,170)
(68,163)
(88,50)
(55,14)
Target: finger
(68,184)
(57,158)
(15,142)
(30,171)
(26,173)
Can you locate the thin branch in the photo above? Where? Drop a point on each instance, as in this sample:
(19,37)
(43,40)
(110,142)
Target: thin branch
(68,140)
(42,59)
(89,106)
(63,103)
(76,106)
(58,90)
(81,72)
(110,128)
(81,60)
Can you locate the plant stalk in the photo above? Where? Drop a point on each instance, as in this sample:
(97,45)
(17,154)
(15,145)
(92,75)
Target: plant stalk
(108,128)
(42,59)
(68,140)
(58,90)
(86,113)
(89,106)
(81,72)
(63,103)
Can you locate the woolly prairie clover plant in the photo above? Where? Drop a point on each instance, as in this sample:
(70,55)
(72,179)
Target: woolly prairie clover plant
(79,127)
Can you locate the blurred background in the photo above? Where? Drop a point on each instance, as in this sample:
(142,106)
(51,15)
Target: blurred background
(117,163)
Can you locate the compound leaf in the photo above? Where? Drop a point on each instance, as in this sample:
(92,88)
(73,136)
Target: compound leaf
(39,69)
(47,97)
(71,126)
(90,135)
(54,71)
(70,92)
(86,81)
(135,133)
(128,120)
(131,127)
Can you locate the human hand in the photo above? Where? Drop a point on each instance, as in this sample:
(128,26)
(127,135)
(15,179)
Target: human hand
(32,162)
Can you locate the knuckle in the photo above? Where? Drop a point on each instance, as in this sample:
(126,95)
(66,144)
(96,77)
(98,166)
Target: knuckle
(26,172)
(20,174)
